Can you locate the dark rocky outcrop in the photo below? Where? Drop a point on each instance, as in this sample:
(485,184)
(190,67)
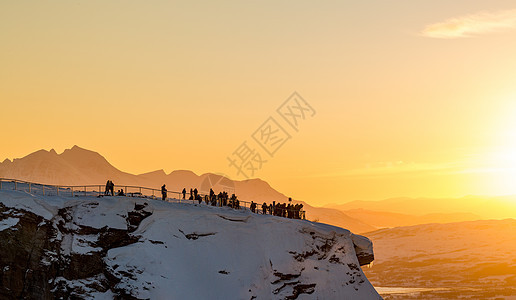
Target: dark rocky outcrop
(35,262)
(23,246)
(195,235)
(364,258)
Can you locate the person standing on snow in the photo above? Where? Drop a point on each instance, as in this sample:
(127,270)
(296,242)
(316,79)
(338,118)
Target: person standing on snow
(108,187)
(112,188)
(164,193)
(264,208)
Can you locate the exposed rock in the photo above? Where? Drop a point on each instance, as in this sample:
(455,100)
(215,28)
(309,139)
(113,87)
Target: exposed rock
(283,277)
(364,258)
(302,289)
(195,235)
(363,249)
(38,263)
(243,220)
(135,217)
(22,248)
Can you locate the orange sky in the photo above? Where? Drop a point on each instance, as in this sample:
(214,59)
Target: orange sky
(410,99)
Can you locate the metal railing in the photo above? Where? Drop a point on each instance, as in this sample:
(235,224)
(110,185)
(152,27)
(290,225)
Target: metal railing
(99,190)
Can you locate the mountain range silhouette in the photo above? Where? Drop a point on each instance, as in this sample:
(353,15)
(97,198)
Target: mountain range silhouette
(79,166)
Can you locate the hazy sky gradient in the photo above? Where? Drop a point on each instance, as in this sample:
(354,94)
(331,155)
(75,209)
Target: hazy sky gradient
(401,111)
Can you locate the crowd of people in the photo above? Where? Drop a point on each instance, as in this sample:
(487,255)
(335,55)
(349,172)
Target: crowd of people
(291,211)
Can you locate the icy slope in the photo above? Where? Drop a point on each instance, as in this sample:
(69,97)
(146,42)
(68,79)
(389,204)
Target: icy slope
(130,247)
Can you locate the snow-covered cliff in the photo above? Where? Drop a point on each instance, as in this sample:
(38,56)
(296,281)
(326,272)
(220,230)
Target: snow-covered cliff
(120,247)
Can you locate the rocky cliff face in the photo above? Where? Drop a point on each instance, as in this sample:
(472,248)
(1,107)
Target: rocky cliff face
(38,263)
(127,248)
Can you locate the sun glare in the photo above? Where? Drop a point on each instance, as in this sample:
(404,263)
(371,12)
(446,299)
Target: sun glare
(502,159)
(502,166)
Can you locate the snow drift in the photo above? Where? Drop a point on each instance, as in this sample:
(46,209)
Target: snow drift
(114,247)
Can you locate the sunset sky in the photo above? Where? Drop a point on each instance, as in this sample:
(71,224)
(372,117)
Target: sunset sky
(408,98)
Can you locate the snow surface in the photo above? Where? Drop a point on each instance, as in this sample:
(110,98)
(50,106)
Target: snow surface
(82,244)
(188,251)
(85,285)
(8,223)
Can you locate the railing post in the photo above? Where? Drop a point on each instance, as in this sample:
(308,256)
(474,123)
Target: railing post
(43,190)
(0,184)
(15,185)
(84,191)
(72,191)
(57,190)
(126,190)
(29,187)
(99,190)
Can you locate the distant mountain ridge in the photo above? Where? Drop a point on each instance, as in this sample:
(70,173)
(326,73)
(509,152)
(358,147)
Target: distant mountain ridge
(486,207)
(72,167)
(384,219)
(79,166)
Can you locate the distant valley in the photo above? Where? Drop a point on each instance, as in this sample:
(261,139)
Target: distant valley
(466,259)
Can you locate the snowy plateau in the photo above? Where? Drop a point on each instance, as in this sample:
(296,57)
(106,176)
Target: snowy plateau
(133,248)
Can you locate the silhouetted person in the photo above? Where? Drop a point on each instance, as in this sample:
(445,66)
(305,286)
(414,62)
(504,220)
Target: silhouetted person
(163,193)
(195,192)
(108,187)
(264,208)
(233,201)
(184,193)
(220,197)
(121,193)
(191,194)
(224,198)
(212,195)
(253,206)
(213,198)
(112,187)
(280,209)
